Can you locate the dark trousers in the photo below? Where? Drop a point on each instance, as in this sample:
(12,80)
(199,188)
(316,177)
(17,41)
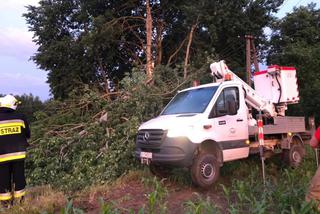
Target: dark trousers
(12,180)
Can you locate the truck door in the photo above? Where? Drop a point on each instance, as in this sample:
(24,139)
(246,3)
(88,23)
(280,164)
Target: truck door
(230,124)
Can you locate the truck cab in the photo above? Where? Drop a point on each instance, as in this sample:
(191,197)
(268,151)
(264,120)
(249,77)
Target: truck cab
(213,114)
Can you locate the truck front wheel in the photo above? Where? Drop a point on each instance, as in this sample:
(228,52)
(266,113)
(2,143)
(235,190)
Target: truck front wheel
(205,170)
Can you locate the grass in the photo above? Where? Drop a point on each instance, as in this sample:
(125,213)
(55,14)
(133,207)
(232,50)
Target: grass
(42,199)
(240,187)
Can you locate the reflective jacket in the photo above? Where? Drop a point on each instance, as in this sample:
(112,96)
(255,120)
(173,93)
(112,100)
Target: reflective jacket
(14,131)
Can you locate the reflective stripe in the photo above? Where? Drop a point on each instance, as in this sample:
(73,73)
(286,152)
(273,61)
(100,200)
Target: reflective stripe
(5,196)
(12,124)
(6,105)
(20,193)
(12,156)
(11,121)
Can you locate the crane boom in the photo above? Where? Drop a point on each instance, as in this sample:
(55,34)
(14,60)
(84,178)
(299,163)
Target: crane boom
(222,73)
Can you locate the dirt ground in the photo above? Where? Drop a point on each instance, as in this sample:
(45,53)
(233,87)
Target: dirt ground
(133,195)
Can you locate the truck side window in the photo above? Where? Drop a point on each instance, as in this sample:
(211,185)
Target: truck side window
(227,103)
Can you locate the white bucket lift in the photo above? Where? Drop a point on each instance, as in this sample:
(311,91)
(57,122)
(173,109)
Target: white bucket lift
(278,84)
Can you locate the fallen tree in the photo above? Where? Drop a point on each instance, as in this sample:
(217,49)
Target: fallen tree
(90,138)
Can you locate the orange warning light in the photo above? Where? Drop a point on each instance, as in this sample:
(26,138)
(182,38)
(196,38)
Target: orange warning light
(228,76)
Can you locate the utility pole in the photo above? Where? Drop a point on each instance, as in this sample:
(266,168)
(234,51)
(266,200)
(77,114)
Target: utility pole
(255,60)
(248,58)
(250,46)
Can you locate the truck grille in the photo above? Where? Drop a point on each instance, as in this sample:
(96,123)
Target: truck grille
(150,137)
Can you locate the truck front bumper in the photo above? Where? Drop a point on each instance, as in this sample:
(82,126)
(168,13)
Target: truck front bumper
(176,151)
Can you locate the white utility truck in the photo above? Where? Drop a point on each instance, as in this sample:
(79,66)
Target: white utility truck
(204,126)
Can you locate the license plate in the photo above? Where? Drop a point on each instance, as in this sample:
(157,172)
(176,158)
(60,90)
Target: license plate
(147,155)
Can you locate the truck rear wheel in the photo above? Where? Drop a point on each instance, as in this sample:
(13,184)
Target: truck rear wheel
(294,156)
(205,170)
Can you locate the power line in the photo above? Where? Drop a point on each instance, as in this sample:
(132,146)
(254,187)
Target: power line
(233,47)
(230,45)
(232,52)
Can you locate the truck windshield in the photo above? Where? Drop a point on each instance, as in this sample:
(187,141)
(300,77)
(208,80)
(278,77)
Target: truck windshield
(191,101)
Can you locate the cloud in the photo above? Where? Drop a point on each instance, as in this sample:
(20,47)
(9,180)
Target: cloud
(23,83)
(21,79)
(17,74)
(18,77)
(15,39)
(16,42)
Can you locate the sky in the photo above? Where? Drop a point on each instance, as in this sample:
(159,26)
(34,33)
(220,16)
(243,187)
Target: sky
(20,75)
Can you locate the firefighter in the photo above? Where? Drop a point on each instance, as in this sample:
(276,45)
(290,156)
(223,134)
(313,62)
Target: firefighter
(314,188)
(14,132)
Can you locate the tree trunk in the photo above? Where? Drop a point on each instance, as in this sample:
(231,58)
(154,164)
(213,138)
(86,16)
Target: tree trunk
(186,60)
(159,42)
(104,76)
(149,65)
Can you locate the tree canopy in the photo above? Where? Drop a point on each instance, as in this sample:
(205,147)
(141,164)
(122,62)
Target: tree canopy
(90,41)
(296,42)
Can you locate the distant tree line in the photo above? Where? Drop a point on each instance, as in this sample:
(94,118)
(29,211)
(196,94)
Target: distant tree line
(29,105)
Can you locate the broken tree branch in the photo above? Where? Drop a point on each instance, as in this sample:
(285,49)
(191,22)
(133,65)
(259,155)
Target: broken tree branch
(176,52)
(186,60)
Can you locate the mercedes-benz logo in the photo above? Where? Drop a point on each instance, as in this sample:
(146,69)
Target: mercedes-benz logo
(146,136)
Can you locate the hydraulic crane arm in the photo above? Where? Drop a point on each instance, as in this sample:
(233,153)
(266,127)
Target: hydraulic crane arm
(221,72)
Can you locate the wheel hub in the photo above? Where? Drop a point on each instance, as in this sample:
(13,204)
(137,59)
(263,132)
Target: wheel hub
(207,170)
(296,157)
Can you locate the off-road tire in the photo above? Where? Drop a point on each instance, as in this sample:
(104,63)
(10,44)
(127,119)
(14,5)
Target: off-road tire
(160,171)
(294,156)
(205,170)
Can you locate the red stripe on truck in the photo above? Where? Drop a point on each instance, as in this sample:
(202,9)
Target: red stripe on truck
(283,68)
(259,72)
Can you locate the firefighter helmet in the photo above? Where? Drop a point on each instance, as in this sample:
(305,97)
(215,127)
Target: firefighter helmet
(9,101)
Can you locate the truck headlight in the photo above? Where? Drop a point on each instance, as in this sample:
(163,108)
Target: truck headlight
(179,131)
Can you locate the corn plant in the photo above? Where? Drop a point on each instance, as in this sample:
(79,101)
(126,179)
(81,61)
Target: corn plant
(201,205)
(156,199)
